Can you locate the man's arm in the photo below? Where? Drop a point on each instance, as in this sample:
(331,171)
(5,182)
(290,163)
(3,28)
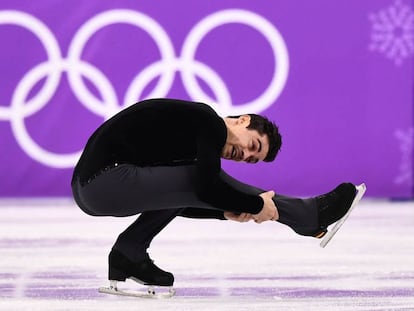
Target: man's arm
(211,188)
(211,133)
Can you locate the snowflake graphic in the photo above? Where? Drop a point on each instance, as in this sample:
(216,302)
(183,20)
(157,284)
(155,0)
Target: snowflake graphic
(392,32)
(406,142)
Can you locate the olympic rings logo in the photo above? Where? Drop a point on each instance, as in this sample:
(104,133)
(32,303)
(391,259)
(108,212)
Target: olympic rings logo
(165,69)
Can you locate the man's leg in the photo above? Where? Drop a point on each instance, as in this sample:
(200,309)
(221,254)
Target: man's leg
(129,258)
(128,190)
(301,215)
(309,217)
(136,239)
(158,193)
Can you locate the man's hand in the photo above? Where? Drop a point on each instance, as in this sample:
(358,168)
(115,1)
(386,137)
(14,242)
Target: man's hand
(243,217)
(269,211)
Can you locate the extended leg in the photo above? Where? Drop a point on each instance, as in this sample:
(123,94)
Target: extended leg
(310,217)
(299,214)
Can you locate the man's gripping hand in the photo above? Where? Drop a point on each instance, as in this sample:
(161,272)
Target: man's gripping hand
(243,217)
(269,211)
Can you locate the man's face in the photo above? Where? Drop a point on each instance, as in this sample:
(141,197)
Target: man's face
(244,144)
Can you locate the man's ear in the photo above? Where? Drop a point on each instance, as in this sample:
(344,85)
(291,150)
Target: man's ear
(244,120)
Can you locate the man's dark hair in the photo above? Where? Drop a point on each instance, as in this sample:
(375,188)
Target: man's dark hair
(262,125)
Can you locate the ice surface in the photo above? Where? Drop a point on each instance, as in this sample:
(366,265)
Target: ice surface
(54,257)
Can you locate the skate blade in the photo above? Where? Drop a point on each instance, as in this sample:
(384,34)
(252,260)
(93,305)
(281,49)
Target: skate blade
(137,294)
(330,234)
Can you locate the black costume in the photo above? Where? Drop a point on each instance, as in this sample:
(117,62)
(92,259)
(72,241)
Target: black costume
(161,158)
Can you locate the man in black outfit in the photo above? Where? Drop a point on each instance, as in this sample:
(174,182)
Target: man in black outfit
(161,158)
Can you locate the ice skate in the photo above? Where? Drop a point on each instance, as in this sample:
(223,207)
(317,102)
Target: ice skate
(335,207)
(145,272)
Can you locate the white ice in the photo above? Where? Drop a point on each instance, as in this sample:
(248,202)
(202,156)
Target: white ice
(54,257)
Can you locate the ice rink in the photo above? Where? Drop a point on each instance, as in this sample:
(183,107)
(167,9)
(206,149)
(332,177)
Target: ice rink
(54,257)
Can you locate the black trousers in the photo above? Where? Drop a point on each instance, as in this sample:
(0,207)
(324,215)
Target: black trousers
(160,194)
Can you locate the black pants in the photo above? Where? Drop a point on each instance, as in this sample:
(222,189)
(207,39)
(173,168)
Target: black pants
(162,193)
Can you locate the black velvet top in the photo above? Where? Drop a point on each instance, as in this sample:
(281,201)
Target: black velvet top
(168,132)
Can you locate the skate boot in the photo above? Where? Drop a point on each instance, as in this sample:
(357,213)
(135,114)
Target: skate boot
(335,206)
(143,272)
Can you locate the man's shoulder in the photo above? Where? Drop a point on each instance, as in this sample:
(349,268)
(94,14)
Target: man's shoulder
(174,106)
(177,103)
